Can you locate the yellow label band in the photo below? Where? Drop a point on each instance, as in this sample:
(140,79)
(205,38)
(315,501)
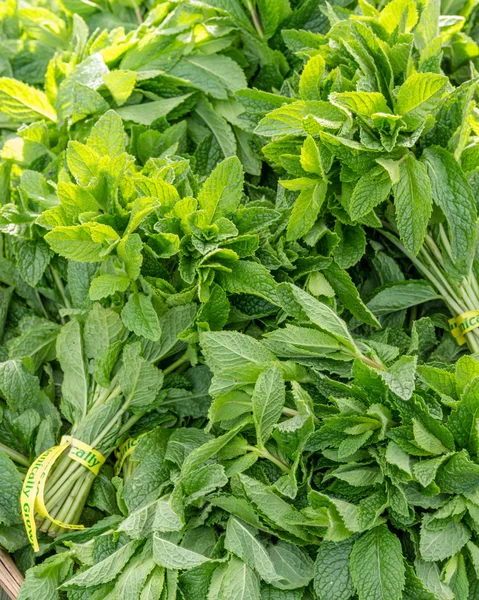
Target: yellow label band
(32,497)
(86,455)
(463,324)
(125,450)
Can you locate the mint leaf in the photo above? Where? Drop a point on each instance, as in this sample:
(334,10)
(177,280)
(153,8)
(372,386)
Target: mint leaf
(377,565)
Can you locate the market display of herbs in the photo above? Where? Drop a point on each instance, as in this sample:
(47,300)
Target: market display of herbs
(238,273)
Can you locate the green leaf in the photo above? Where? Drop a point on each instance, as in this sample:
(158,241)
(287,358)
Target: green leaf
(278,512)
(23,103)
(241,541)
(43,580)
(248,277)
(305,210)
(139,316)
(419,97)
(33,257)
(10,488)
(146,113)
(371,189)
(221,192)
(225,350)
(154,585)
(453,194)
(83,243)
(267,403)
(458,475)
(413,202)
(70,353)
(171,556)
(343,286)
(140,381)
(106,570)
(361,103)
(377,565)
(215,74)
(310,80)
(400,377)
(107,285)
(401,295)
(440,543)
(462,421)
(120,84)
(107,136)
(292,564)
(239,582)
(332,578)
(298,302)
(220,129)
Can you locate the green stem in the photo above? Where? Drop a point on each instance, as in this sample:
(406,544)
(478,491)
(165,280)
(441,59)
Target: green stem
(61,288)
(176,364)
(263,453)
(14,455)
(255,18)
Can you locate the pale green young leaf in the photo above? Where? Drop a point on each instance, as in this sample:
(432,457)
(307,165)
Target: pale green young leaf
(310,80)
(107,136)
(361,103)
(418,97)
(129,250)
(83,243)
(82,162)
(107,285)
(275,509)
(120,84)
(229,349)
(23,103)
(400,377)
(292,564)
(214,74)
(153,585)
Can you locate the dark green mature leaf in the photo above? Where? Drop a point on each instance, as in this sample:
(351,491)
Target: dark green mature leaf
(377,565)
(413,202)
(453,194)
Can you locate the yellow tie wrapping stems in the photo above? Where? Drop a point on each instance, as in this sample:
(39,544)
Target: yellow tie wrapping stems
(462,324)
(125,450)
(32,495)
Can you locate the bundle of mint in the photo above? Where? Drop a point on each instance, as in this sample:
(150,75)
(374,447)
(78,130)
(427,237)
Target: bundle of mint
(232,236)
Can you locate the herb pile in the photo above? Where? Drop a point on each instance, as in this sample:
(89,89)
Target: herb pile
(233,234)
